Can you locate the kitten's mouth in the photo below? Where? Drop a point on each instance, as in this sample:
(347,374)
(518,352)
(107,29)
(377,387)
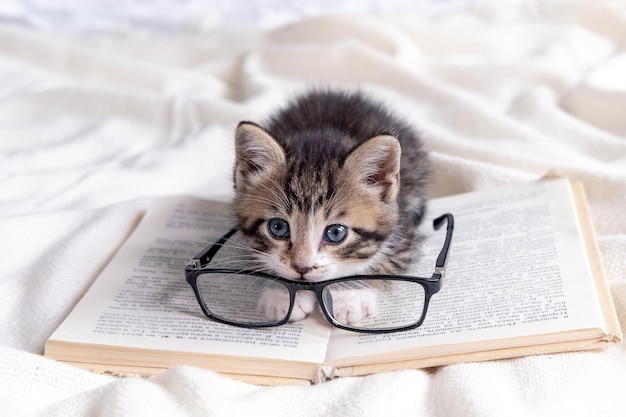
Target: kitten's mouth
(308,277)
(293,275)
(305,278)
(315,277)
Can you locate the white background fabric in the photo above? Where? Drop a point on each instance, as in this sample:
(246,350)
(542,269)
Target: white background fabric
(93,123)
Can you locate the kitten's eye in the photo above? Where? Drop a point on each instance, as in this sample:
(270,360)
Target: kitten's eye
(279,228)
(335,233)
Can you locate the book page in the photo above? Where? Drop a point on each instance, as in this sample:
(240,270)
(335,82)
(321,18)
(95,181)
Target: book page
(516,267)
(142,299)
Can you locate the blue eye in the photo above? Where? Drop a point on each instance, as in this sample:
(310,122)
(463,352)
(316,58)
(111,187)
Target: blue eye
(335,233)
(278,228)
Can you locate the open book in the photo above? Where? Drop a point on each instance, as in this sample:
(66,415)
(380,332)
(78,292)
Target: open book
(523,277)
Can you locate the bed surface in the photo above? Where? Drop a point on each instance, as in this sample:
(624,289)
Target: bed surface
(100,115)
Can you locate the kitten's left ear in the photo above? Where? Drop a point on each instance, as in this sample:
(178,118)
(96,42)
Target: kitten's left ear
(257,154)
(376,164)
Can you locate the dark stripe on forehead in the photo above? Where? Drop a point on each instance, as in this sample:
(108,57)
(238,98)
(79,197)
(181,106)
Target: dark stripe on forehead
(330,185)
(300,202)
(319,203)
(285,194)
(330,201)
(308,200)
(309,187)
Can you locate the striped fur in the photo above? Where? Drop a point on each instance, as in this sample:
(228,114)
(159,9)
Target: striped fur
(331,158)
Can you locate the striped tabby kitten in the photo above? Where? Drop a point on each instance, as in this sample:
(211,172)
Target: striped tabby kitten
(332,185)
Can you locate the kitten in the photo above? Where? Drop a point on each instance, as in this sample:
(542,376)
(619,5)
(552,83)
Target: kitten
(333,185)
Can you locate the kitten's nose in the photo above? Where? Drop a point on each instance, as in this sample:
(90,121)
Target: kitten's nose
(302,270)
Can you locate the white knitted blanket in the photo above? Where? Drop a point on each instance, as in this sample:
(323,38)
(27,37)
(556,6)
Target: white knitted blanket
(95,123)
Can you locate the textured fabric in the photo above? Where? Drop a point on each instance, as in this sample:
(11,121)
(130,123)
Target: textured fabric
(93,125)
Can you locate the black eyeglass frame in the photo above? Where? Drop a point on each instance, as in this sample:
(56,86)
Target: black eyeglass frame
(199,265)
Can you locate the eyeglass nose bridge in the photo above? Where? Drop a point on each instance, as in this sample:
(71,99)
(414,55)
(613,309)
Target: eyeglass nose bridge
(323,298)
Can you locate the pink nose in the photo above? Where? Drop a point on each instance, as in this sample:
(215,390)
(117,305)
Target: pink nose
(302,270)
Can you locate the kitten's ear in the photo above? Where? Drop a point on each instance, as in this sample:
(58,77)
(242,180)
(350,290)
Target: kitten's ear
(376,164)
(257,153)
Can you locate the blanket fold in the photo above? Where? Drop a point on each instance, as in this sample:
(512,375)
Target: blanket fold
(95,124)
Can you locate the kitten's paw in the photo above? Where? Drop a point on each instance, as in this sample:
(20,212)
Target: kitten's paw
(274,305)
(352,306)
(303,306)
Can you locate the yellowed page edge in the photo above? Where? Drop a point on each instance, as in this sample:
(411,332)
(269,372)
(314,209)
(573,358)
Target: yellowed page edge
(122,371)
(119,357)
(593,252)
(486,355)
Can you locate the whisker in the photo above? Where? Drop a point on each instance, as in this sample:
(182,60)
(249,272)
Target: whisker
(242,257)
(280,198)
(241,246)
(337,197)
(258,198)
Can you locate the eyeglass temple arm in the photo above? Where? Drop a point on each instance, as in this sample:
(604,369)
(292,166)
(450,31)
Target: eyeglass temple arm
(437,223)
(209,252)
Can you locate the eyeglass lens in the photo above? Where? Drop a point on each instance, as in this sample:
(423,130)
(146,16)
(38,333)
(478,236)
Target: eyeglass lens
(239,298)
(375,304)
(362,304)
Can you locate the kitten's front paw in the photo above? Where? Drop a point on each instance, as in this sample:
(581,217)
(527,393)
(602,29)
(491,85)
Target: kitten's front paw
(274,305)
(352,306)
(303,306)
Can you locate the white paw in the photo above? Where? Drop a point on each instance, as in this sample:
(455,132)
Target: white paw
(274,305)
(352,306)
(304,305)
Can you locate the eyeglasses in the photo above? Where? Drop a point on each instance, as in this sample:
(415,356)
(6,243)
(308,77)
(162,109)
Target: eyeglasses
(360,303)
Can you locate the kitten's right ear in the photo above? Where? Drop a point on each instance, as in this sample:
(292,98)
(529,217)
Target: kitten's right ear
(257,154)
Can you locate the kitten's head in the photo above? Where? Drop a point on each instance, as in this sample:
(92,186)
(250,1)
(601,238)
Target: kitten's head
(315,211)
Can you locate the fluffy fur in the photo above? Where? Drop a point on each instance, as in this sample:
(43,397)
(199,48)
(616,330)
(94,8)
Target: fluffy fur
(330,166)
